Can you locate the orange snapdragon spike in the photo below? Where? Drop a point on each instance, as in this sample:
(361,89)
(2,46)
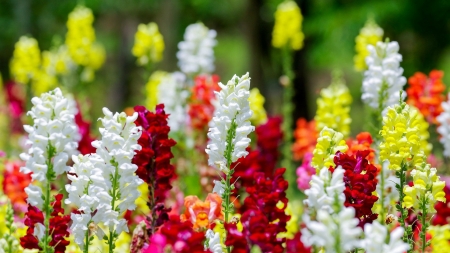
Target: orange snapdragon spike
(202,214)
(305,138)
(14,184)
(425,93)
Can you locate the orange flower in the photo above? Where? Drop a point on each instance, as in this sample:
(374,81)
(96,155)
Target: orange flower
(305,138)
(200,213)
(15,183)
(362,142)
(426,94)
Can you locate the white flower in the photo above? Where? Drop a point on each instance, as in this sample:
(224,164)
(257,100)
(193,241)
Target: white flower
(79,227)
(325,189)
(34,196)
(390,193)
(196,54)
(375,239)
(383,71)
(444,128)
(231,120)
(39,231)
(218,187)
(332,231)
(213,242)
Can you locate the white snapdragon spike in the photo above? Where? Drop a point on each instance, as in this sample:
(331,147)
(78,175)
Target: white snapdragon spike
(444,128)
(173,86)
(213,240)
(219,187)
(383,80)
(333,231)
(375,239)
(116,150)
(51,140)
(196,54)
(230,123)
(326,190)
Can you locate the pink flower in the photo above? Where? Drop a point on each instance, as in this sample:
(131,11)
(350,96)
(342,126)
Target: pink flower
(305,172)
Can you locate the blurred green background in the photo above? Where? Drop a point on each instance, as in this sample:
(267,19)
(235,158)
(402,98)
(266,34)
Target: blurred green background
(244,29)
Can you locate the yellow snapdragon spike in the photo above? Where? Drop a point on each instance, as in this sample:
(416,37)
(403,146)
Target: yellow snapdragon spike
(333,107)
(26,60)
(440,238)
(422,126)
(151,88)
(292,226)
(148,44)
(370,34)
(328,143)
(257,100)
(400,138)
(288,26)
(427,186)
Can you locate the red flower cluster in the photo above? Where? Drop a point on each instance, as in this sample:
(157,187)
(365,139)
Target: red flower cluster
(153,160)
(14,184)
(360,182)
(84,129)
(58,227)
(295,245)
(269,137)
(179,235)
(245,169)
(426,93)
(442,216)
(201,109)
(262,218)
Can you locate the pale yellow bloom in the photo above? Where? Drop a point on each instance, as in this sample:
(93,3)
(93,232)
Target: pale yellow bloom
(328,143)
(422,125)
(148,44)
(288,26)
(151,89)
(26,60)
(440,240)
(370,34)
(257,100)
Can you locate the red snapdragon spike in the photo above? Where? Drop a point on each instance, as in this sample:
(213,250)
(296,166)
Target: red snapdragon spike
(201,108)
(14,184)
(360,182)
(84,129)
(236,239)
(442,216)
(269,137)
(59,226)
(32,217)
(245,169)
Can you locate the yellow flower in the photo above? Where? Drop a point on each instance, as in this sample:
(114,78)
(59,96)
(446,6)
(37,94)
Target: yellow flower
(427,187)
(151,88)
(288,24)
(148,44)
(370,34)
(422,126)
(292,226)
(333,107)
(26,60)
(328,143)
(257,100)
(400,137)
(440,238)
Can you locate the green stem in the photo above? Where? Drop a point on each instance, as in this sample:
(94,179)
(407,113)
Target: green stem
(47,209)
(112,234)
(382,211)
(407,236)
(86,245)
(424,223)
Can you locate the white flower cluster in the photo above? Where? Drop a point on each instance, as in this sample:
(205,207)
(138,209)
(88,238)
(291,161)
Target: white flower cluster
(333,231)
(173,86)
(444,128)
(104,176)
(52,140)
(231,123)
(375,239)
(196,54)
(213,240)
(325,189)
(384,76)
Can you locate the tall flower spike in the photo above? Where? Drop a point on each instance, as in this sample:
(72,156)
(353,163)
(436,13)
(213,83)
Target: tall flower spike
(333,107)
(26,60)
(257,106)
(370,34)
(196,54)
(115,151)
(287,30)
(148,44)
(383,80)
(52,139)
(328,143)
(444,128)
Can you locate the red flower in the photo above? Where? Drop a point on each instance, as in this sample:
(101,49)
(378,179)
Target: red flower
(32,217)
(362,142)
(269,137)
(295,245)
(245,169)
(15,95)
(360,182)
(201,109)
(236,239)
(84,129)
(14,184)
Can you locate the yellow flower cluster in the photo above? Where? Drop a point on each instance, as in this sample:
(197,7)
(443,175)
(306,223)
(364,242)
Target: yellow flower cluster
(370,34)
(440,240)
(328,143)
(148,44)
(257,100)
(401,142)
(333,108)
(26,60)
(288,26)
(81,43)
(423,133)
(427,189)
(151,88)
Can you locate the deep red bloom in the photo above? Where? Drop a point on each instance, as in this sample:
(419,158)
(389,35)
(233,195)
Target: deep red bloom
(245,169)
(442,216)
(295,245)
(360,182)
(84,129)
(32,217)
(269,137)
(201,108)
(15,95)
